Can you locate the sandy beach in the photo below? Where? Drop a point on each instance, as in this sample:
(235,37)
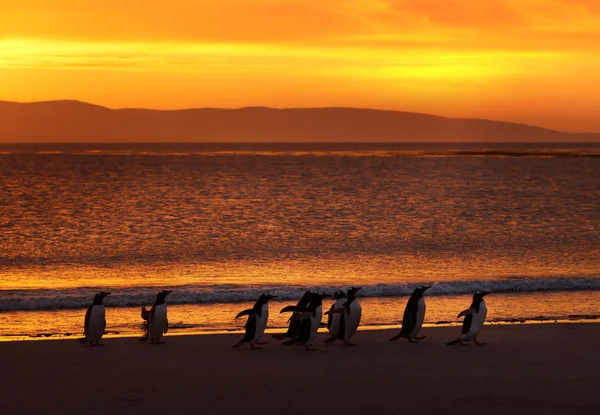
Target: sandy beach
(529,369)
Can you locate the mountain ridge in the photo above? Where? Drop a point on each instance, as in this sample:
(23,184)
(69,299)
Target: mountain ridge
(77,121)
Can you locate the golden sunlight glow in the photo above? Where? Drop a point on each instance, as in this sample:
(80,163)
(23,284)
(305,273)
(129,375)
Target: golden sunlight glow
(533,61)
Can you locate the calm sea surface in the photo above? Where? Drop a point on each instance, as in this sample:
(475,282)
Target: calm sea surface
(219,224)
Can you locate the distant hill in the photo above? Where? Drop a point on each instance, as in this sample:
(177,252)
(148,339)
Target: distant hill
(73,121)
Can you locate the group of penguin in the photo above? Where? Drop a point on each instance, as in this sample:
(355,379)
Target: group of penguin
(156,322)
(343,319)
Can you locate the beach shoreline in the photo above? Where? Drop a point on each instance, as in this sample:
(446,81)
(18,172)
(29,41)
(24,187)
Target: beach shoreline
(524,368)
(175,331)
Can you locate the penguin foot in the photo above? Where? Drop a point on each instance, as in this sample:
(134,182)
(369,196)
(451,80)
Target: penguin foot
(419,338)
(330,340)
(310,349)
(261,343)
(235,346)
(479,343)
(253,347)
(347,343)
(82,341)
(457,341)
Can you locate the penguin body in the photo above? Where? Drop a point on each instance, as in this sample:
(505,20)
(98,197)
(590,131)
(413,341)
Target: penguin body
(95,320)
(475,317)
(260,324)
(294,323)
(414,314)
(157,322)
(351,318)
(333,319)
(350,315)
(96,324)
(257,321)
(309,318)
(315,323)
(474,322)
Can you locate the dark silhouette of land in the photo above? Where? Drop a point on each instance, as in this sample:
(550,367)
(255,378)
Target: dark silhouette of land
(74,121)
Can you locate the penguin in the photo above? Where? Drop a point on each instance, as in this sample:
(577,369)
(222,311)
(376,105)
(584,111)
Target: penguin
(95,321)
(350,314)
(333,319)
(157,322)
(309,318)
(474,319)
(414,314)
(257,322)
(294,325)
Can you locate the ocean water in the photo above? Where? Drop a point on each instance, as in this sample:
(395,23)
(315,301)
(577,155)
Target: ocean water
(220,224)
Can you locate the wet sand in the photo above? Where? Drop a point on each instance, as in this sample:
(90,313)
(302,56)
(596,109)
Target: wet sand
(524,369)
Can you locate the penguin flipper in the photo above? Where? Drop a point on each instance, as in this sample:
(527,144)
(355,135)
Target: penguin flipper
(166,325)
(246,312)
(335,311)
(294,309)
(466,312)
(301,316)
(145,313)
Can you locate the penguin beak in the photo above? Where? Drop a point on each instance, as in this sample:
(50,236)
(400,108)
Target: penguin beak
(426,287)
(271,296)
(105,293)
(167,292)
(484,293)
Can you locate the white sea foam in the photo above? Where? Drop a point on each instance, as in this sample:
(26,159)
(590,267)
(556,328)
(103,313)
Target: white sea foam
(199,294)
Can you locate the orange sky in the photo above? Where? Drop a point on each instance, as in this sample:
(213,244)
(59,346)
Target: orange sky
(532,61)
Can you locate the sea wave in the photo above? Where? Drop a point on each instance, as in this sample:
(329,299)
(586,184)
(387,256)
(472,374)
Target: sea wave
(47,299)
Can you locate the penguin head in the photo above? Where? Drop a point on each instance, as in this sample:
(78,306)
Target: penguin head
(478,296)
(420,290)
(317,299)
(339,294)
(305,298)
(100,296)
(352,292)
(160,297)
(265,298)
